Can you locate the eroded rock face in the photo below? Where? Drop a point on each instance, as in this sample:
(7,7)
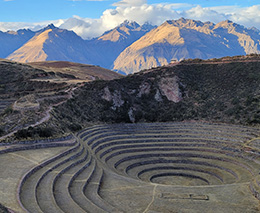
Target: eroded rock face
(158,96)
(107,94)
(144,88)
(116,98)
(131,115)
(169,87)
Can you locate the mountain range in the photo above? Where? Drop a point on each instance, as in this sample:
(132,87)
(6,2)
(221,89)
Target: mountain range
(131,47)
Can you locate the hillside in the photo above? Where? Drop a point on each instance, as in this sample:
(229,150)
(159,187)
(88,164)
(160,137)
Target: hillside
(79,72)
(185,38)
(16,79)
(28,94)
(51,44)
(220,91)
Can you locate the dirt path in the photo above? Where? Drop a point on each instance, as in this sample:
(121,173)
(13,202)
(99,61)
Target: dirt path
(47,114)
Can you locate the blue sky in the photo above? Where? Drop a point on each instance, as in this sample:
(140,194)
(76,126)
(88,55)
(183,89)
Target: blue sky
(41,10)
(90,18)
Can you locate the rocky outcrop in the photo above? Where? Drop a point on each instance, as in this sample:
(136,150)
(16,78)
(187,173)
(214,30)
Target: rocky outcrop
(115,97)
(131,115)
(169,87)
(107,94)
(144,88)
(158,96)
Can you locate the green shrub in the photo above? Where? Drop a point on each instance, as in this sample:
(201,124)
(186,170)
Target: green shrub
(8,110)
(1,131)
(23,133)
(3,209)
(75,127)
(33,132)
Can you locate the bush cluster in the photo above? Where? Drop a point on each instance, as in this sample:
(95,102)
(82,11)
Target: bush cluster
(34,132)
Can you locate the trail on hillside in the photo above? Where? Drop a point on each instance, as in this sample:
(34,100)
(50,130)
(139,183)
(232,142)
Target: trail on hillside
(46,114)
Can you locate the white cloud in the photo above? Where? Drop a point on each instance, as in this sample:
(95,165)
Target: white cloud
(141,12)
(177,6)
(126,3)
(225,9)
(84,27)
(6,26)
(247,16)
(155,14)
(204,14)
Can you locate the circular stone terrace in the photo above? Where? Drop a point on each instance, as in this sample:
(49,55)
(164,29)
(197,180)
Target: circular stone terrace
(157,167)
